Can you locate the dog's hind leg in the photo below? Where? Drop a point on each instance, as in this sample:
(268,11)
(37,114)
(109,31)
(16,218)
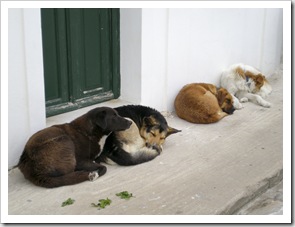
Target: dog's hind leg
(67,179)
(215,117)
(91,166)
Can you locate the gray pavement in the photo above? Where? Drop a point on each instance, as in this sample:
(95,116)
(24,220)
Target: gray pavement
(211,169)
(268,203)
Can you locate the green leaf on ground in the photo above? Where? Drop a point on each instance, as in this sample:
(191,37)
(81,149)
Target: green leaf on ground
(69,201)
(102,203)
(124,195)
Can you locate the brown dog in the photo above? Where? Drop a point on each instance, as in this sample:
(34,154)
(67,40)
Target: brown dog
(63,154)
(203,103)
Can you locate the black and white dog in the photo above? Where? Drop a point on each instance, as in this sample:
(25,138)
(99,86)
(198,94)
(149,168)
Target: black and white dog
(140,143)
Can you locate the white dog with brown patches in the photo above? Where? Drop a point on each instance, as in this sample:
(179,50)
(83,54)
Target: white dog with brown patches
(246,83)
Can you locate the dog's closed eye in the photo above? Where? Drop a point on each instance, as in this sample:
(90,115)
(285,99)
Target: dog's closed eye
(153,133)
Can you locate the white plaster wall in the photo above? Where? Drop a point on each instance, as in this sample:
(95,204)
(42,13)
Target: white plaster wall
(26,102)
(154,58)
(130,37)
(271,52)
(202,42)
(180,46)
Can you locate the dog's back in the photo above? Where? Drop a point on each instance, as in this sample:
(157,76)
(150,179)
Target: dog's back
(64,154)
(197,103)
(245,83)
(137,113)
(41,161)
(241,77)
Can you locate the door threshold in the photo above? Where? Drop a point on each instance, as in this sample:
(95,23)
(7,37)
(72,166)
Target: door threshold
(69,116)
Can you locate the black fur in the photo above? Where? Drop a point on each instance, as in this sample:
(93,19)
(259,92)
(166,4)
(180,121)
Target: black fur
(140,115)
(63,154)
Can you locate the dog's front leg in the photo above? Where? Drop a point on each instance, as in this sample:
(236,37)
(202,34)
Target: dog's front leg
(236,103)
(254,98)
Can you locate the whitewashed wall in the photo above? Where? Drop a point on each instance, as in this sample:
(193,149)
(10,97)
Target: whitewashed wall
(180,46)
(130,38)
(26,101)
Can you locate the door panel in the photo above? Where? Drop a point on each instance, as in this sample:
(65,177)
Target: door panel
(90,47)
(55,56)
(80,67)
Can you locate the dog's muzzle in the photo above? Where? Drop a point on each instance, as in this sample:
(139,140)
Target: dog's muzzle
(156,147)
(231,111)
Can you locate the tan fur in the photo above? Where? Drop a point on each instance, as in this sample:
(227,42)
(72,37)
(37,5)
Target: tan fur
(131,138)
(241,72)
(203,103)
(155,136)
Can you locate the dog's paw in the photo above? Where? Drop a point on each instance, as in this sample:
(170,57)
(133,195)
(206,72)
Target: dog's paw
(266,104)
(244,99)
(157,148)
(238,105)
(93,176)
(98,173)
(262,102)
(102,170)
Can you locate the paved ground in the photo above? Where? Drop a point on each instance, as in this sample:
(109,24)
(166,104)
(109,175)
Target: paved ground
(270,203)
(204,170)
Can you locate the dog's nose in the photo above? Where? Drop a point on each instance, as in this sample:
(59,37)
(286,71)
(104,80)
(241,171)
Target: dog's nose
(232,110)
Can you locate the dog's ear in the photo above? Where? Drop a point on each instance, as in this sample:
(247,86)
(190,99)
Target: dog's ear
(100,119)
(172,131)
(259,80)
(212,89)
(221,93)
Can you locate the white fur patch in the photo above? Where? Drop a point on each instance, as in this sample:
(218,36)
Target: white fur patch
(244,90)
(110,162)
(133,141)
(101,144)
(93,176)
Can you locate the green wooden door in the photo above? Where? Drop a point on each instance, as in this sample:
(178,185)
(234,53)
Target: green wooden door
(81,57)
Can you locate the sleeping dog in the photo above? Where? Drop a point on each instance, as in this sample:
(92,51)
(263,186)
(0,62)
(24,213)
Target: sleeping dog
(64,154)
(140,143)
(203,103)
(246,83)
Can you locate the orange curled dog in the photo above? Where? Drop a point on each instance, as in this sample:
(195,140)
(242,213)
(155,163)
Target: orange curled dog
(203,103)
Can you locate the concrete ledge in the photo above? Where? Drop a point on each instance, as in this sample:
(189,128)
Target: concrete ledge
(252,192)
